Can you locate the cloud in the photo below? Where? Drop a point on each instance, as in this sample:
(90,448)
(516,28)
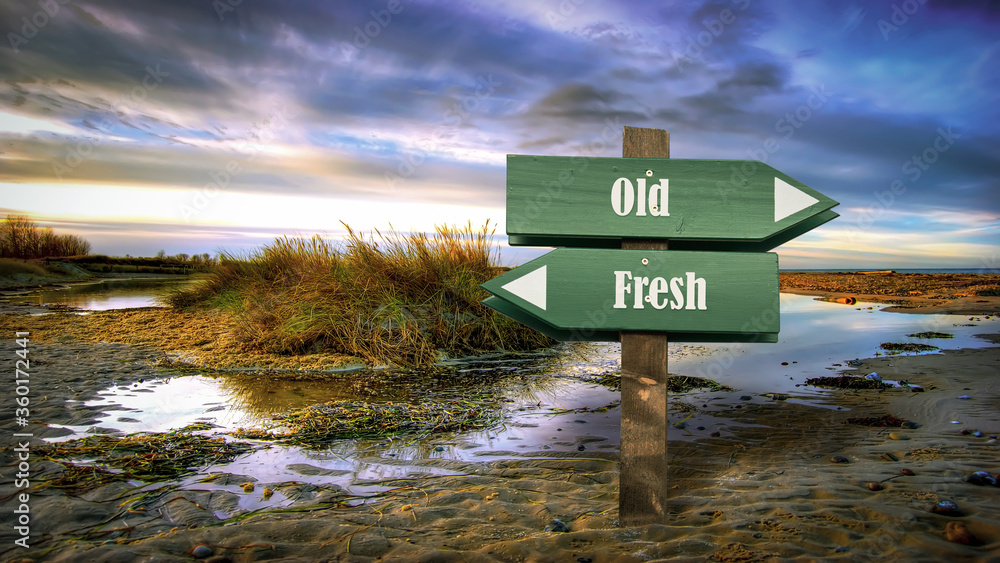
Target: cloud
(421,105)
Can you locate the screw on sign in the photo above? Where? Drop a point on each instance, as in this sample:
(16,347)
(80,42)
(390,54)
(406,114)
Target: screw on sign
(661,250)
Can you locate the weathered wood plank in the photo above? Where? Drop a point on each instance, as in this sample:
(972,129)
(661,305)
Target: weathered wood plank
(643,482)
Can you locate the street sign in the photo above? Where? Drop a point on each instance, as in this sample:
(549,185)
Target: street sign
(737,205)
(591,294)
(670,250)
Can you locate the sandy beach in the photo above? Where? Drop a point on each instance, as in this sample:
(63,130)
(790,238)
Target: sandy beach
(781,481)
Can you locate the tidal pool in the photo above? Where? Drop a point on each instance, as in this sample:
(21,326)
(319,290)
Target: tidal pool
(107,294)
(552,403)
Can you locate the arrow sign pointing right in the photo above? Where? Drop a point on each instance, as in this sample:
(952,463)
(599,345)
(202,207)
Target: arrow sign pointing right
(789,200)
(696,204)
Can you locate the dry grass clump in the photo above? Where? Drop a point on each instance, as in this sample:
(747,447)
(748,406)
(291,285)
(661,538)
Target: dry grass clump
(389,299)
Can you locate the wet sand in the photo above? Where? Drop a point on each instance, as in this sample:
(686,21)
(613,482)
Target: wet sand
(766,489)
(962,294)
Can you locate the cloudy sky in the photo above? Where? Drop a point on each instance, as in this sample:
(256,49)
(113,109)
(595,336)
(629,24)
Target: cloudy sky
(198,125)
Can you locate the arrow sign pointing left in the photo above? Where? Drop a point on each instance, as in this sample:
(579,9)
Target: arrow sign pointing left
(696,204)
(530,287)
(573,293)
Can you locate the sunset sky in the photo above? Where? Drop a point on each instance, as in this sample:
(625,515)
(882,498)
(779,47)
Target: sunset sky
(199,125)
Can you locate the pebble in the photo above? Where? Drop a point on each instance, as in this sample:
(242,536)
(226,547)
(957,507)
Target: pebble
(909,424)
(965,397)
(978,434)
(839,459)
(682,425)
(746,398)
(247,487)
(439,448)
(201,551)
(580,448)
(965,432)
(907,471)
(888,456)
(981,478)
(842,549)
(898,436)
(946,508)
(716,434)
(873,486)
(557,525)
(956,532)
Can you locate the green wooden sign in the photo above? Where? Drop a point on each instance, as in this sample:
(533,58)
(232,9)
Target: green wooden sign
(590,294)
(697,204)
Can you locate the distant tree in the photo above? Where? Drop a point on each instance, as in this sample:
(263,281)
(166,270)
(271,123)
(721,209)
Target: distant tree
(182,257)
(161,254)
(21,238)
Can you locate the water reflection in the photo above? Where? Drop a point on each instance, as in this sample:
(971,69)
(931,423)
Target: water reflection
(552,404)
(108,294)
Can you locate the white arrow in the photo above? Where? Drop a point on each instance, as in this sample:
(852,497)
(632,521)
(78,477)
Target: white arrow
(530,287)
(789,200)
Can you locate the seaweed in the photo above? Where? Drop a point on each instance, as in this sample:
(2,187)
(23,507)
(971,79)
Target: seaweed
(675,383)
(906,347)
(931,334)
(885,420)
(149,457)
(846,382)
(317,425)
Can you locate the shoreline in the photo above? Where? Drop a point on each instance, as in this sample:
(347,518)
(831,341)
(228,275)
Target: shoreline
(766,488)
(961,294)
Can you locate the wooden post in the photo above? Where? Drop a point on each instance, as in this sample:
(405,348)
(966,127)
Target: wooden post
(642,497)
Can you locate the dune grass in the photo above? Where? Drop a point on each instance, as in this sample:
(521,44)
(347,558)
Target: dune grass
(11,266)
(389,299)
